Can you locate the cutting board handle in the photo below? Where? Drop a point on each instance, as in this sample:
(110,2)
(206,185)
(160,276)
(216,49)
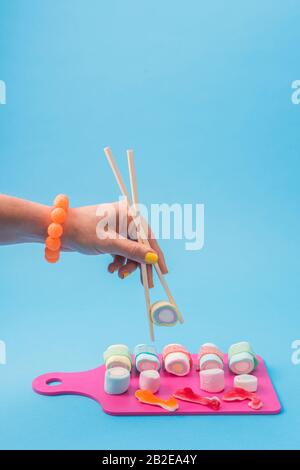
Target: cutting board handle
(86,383)
(52,384)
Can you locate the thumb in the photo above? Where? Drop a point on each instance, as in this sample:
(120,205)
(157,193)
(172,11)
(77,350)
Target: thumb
(133,250)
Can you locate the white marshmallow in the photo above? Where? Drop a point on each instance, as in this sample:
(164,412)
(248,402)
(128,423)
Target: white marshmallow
(246,382)
(212,380)
(149,380)
(116,381)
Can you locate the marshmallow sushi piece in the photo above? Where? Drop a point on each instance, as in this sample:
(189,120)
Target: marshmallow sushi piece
(246,382)
(212,380)
(118,361)
(242,358)
(164,313)
(116,380)
(146,358)
(117,355)
(177,359)
(149,380)
(210,357)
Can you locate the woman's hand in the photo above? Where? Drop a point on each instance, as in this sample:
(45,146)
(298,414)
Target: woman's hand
(91,230)
(109,228)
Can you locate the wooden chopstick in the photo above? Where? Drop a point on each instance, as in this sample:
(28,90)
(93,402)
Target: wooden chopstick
(125,193)
(136,215)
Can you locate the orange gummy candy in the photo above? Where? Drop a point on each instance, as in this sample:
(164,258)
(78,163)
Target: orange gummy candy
(62,201)
(145,396)
(58,215)
(55,230)
(53,243)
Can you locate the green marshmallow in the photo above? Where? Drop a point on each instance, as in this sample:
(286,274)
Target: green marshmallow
(240,348)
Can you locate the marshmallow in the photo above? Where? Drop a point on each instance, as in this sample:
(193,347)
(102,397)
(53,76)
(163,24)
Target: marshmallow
(212,380)
(177,359)
(242,358)
(117,355)
(146,358)
(210,357)
(164,313)
(116,380)
(149,380)
(118,361)
(246,382)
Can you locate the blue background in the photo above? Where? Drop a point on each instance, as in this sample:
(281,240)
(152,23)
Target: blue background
(202,92)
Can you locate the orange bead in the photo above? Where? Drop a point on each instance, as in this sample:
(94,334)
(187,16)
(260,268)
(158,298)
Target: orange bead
(61,201)
(51,256)
(58,215)
(53,244)
(55,230)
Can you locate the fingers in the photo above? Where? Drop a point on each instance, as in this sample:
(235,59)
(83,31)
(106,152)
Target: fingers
(128,268)
(116,264)
(131,250)
(155,246)
(125,268)
(161,259)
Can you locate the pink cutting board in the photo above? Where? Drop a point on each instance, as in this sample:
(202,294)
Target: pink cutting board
(90,384)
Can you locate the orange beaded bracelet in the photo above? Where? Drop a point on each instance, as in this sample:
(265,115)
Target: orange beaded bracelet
(58,217)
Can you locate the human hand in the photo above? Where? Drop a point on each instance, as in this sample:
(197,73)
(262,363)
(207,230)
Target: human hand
(108,228)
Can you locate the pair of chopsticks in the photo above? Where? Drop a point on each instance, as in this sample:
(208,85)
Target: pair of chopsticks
(134,203)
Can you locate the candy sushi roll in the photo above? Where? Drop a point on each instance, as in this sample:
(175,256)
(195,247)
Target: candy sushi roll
(164,313)
(242,358)
(210,357)
(177,359)
(117,355)
(146,358)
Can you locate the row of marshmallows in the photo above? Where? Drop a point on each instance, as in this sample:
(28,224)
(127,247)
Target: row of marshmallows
(118,362)
(242,361)
(178,361)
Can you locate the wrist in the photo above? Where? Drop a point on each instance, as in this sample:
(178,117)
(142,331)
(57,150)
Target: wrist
(34,226)
(69,233)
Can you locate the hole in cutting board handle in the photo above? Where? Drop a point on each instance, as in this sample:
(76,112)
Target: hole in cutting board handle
(53,382)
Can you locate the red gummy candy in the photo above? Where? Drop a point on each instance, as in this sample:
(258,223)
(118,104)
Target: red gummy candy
(187,394)
(239,394)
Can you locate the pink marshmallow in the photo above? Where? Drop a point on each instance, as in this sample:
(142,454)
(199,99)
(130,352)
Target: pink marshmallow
(149,380)
(212,380)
